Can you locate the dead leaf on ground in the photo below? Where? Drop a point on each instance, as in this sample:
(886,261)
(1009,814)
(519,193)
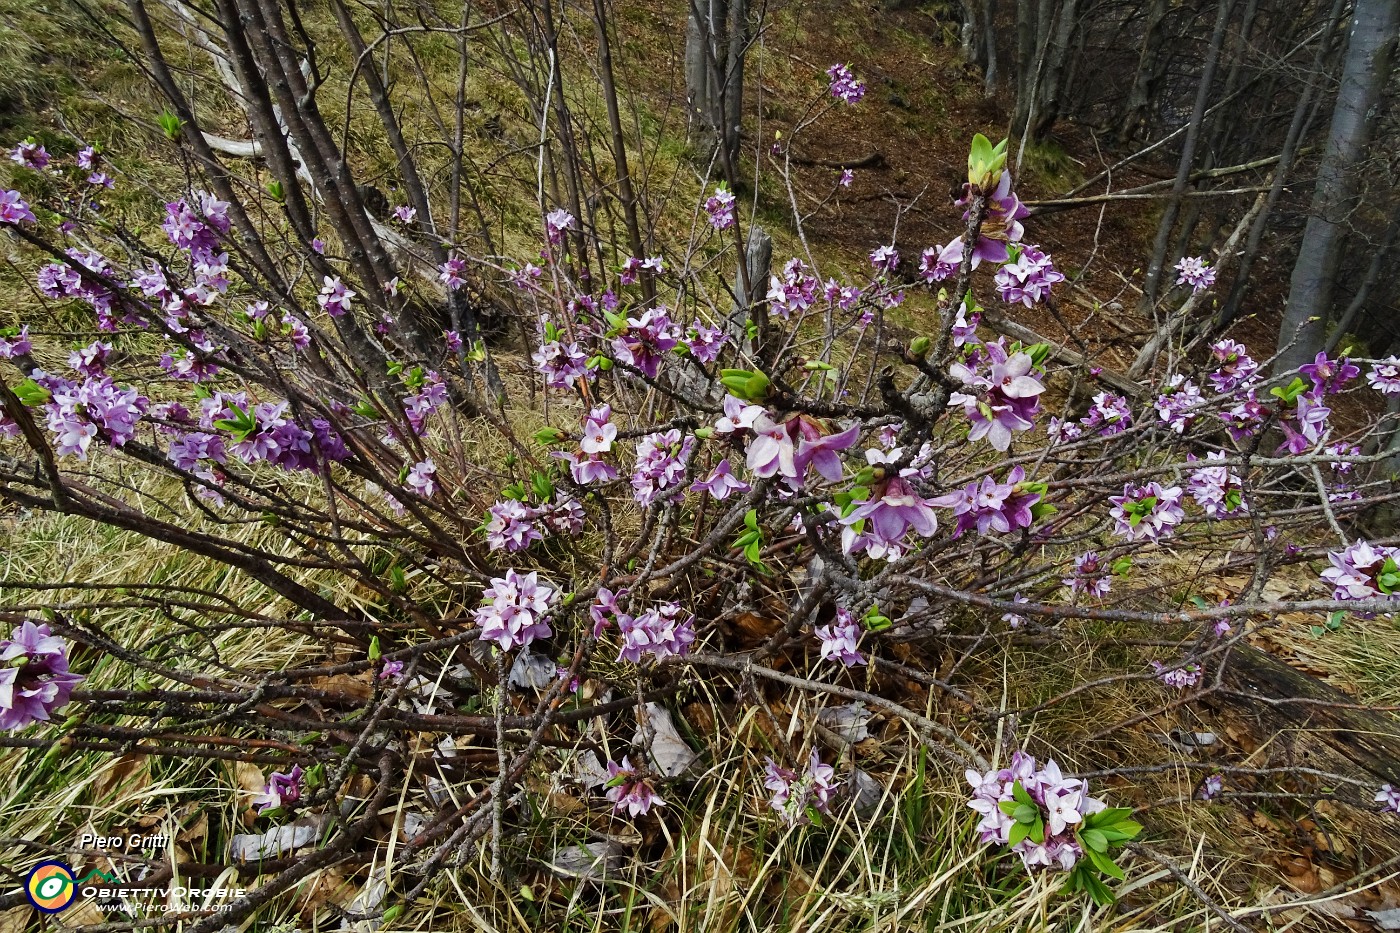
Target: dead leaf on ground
(123,777)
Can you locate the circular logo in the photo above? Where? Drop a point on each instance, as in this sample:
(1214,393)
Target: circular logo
(51,887)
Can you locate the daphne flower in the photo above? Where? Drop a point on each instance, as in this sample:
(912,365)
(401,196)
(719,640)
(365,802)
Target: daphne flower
(1235,367)
(422,478)
(847,176)
(334,298)
(15,345)
(1028,279)
(511,526)
(1363,571)
(646,341)
(1216,489)
(452,273)
(991,506)
(664,631)
(30,155)
(598,431)
(1384,376)
(1089,576)
(738,416)
(1015,619)
(280,790)
(1180,677)
(794,795)
(1193,271)
(661,462)
(405,214)
(34,676)
(1177,406)
(1110,414)
(879,524)
(721,482)
(705,343)
(14,210)
(514,610)
(1211,787)
(1007,398)
(840,638)
(1150,512)
(628,791)
(884,259)
(556,223)
(562,364)
(720,207)
(1389,798)
(939,262)
(1001,224)
(1329,376)
(844,86)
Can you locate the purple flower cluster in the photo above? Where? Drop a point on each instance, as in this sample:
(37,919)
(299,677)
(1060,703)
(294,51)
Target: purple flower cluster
(796,796)
(1389,798)
(1148,512)
(646,341)
(1177,676)
(14,210)
(628,791)
(789,447)
(334,297)
(1089,576)
(794,291)
(1028,279)
(661,463)
(77,412)
(878,525)
(1110,414)
(705,343)
(562,364)
(34,679)
(720,207)
(1384,376)
(840,639)
(1193,271)
(991,506)
(663,631)
(1006,397)
(1363,571)
(31,155)
(1178,405)
(939,262)
(1329,376)
(844,85)
(1001,225)
(515,610)
(1235,368)
(452,273)
(556,223)
(721,482)
(884,259)
(280,790)
(1063,804)
(1216,489)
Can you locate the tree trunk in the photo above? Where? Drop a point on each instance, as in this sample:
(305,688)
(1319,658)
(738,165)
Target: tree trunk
(716,41)
(1364,74)
(1148,75)
(1188,157)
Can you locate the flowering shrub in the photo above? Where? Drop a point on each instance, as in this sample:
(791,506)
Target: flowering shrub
(799,452)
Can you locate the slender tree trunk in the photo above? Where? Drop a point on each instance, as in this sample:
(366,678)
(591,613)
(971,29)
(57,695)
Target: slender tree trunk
(1379,254)
(1145,80)
(1364,75)
(1158,261)
(1297,132)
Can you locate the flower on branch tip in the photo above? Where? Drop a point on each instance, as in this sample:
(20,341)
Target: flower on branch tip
(1147,512)
(720,207)
(280,790)
(663,631)
(1389,798)
(628,791)
(798,797)
(839,639)
(721,482)
(844,86)
(514,610)
(1193,271)
(1384,376)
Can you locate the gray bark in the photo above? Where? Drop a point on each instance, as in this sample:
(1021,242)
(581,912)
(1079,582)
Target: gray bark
(716,41)
(1364,73)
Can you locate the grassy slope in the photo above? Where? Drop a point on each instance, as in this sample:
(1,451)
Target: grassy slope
(714,863)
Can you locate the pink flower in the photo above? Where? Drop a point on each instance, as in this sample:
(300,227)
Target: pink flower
(663,632)
(840,638)
(1384,376)
(556,223)
(720,207)
(1006,400)
(514,610)
(334,297)
(35,680)
(844,86)
(721,482)
(628,791)
(1193,271)
(1149,512)
(14,210)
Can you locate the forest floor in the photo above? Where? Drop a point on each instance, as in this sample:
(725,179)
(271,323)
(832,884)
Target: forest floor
(914,865)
